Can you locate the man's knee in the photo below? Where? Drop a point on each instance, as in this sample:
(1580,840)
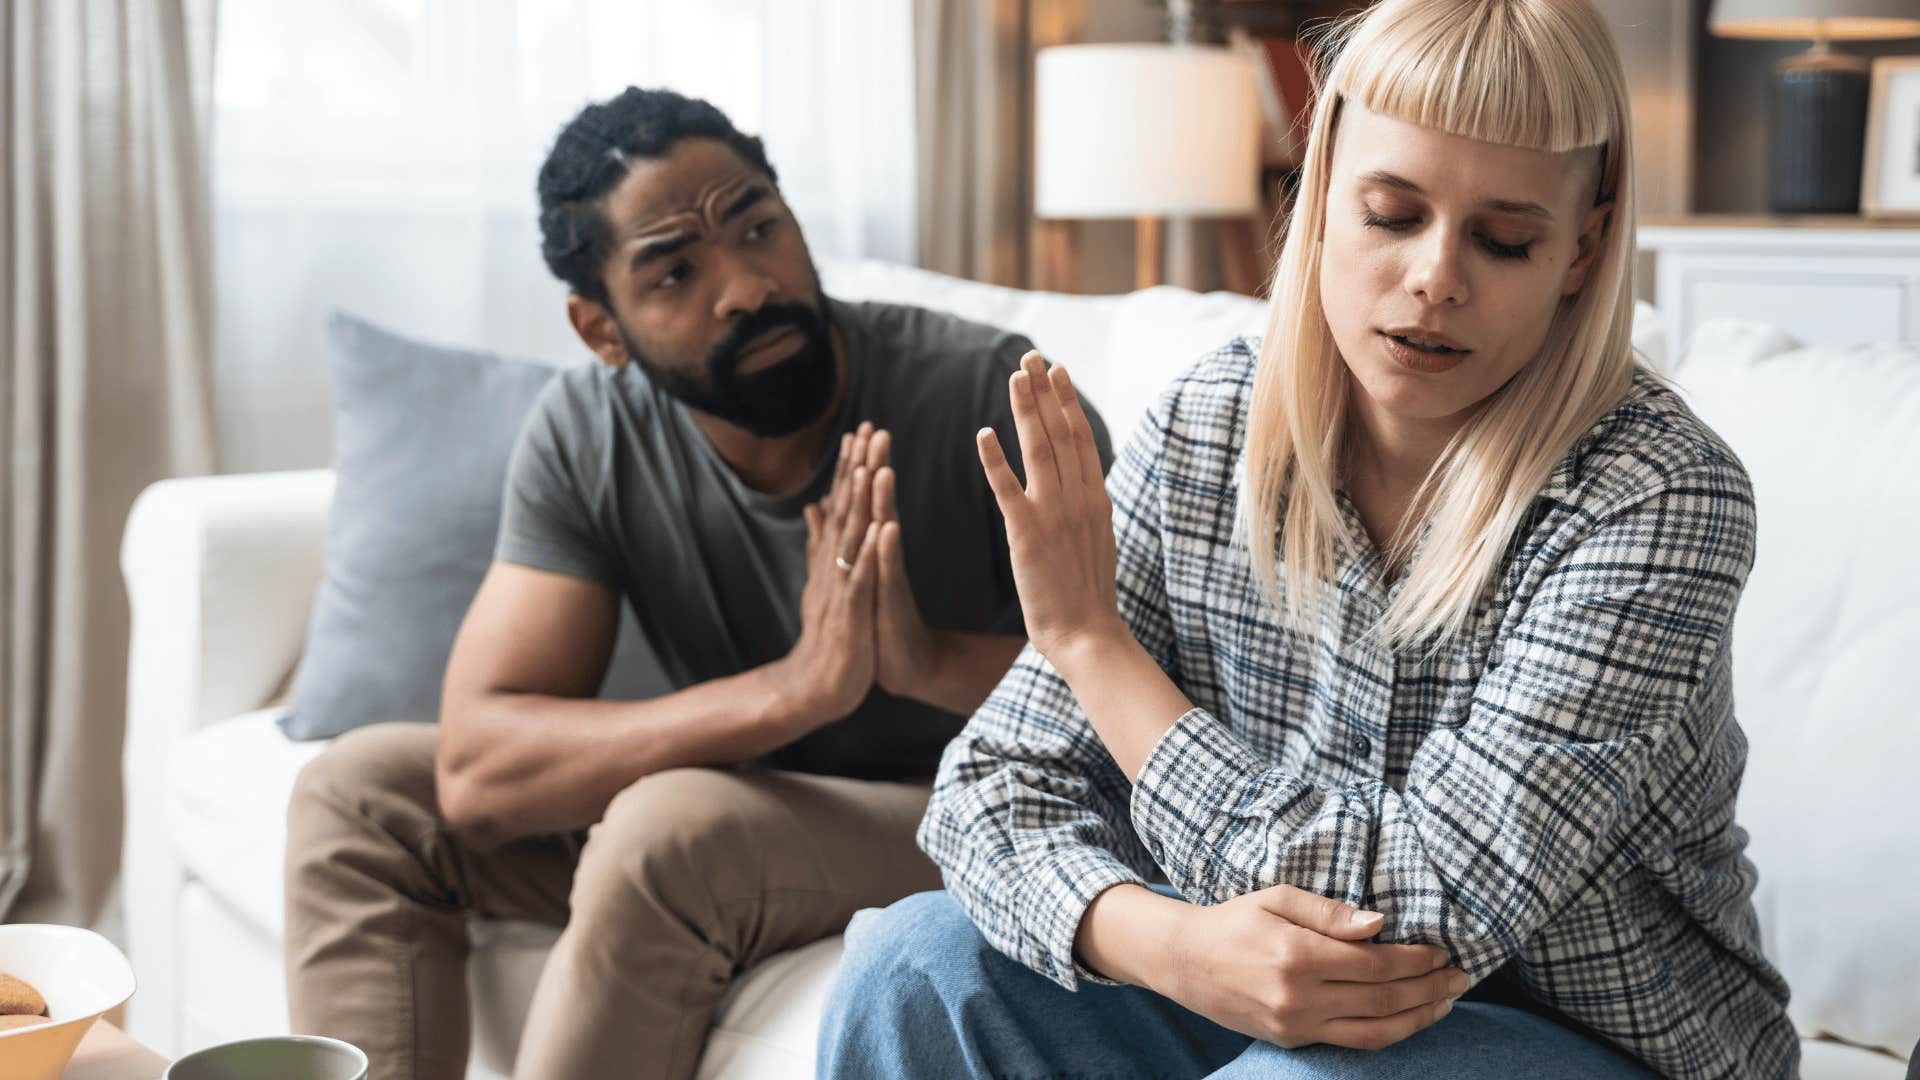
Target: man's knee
(680,831)
(367,778)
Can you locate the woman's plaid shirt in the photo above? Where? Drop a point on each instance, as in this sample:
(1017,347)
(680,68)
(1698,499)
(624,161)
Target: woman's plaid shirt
(1554,791)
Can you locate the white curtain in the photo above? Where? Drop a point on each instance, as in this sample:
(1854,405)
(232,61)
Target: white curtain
(380,156)
(105,319)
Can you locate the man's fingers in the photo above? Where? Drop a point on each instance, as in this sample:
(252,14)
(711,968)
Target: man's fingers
(851,458)
(842,468)
(1376,999)
(1036,450)
(1377,1034)
(845,461)
(887,556)
(865,570)
(853,528)
(884,507)
(1005,485)
(879,447)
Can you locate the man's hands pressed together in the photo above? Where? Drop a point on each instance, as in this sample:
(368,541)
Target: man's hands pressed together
(832,665)
(906,650)
(860,625)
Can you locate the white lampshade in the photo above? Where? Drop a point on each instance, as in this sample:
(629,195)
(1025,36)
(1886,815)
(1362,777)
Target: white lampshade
(1802,20)
(1125,131)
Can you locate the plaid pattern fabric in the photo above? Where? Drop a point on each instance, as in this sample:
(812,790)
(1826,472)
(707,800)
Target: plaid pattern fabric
(1551,791)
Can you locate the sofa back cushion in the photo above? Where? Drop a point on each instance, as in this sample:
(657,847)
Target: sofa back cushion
(1827,664)
(1122,349)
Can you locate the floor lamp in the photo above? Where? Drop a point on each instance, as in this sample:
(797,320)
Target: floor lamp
(1145,132)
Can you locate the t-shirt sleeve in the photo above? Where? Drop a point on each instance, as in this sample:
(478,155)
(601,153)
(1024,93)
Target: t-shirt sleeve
(548,510)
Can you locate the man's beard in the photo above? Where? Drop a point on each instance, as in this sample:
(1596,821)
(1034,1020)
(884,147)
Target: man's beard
(777,401)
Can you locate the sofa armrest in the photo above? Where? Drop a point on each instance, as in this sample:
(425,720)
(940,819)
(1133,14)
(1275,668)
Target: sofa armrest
(220,574)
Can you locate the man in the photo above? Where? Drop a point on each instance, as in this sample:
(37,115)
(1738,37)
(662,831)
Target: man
(785,490)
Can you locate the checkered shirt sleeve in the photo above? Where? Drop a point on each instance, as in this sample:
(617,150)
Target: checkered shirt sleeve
(1551,791)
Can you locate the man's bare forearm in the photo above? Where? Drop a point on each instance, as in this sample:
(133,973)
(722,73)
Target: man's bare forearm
(519,764)
(965,669)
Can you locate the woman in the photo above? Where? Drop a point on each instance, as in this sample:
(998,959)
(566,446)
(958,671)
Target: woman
(1398,641)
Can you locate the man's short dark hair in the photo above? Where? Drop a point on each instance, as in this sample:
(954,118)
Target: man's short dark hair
(593,154)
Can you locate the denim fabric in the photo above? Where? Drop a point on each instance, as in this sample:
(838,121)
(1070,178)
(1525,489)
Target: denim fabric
(922,994)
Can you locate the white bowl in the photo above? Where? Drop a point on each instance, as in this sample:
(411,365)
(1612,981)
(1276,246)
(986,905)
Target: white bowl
(79,973)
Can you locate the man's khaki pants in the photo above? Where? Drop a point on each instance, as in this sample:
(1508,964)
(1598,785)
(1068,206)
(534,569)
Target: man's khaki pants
(692,876)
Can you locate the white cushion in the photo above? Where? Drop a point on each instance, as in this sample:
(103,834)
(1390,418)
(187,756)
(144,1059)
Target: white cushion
(1822,1060)
(770,1022)
(227,788)
(1825,675)
(232,985)
(1157,334)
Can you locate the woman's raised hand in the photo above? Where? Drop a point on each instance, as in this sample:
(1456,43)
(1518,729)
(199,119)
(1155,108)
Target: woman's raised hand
(1060,526)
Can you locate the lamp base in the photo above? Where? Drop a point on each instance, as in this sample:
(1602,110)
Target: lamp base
(1149,248)
(1819,132)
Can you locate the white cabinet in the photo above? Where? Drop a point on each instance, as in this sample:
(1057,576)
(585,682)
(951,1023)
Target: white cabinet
(1824,282)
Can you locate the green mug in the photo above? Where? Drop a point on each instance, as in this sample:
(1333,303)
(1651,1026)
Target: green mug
(284,1057)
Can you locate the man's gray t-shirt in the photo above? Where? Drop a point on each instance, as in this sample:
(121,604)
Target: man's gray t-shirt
(611,481)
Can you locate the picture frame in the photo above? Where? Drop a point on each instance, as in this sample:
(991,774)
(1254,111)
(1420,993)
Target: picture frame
(1890,173)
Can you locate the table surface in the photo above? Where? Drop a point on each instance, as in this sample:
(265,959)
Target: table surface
(107,1053)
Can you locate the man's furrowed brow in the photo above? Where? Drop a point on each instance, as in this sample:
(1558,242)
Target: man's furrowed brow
(659,249)
(744,200)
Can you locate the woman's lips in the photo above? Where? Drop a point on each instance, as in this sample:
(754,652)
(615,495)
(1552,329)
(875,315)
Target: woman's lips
(1421,360)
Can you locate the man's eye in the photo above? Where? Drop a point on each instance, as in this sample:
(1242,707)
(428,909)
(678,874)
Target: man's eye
(674,276)
(760,230)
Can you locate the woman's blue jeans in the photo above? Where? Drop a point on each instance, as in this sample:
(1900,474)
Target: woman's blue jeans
(921,994)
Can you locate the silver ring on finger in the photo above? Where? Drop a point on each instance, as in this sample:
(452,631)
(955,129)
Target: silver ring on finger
(841,562)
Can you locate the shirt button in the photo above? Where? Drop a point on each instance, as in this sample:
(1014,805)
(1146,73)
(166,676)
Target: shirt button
(1362,746)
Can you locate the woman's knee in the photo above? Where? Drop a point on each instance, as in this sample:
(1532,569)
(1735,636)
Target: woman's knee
(921,955)
(892,1001)
(885,945)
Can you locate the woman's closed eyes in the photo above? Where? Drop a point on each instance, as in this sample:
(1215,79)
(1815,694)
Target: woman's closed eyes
(1495,248)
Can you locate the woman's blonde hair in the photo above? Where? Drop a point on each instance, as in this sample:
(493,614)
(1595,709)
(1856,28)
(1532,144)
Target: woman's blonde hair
(1542,74)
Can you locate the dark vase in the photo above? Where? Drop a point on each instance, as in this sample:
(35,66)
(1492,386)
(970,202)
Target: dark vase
(1819,128)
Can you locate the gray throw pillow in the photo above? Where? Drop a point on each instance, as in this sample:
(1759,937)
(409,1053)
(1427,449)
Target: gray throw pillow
(421,437)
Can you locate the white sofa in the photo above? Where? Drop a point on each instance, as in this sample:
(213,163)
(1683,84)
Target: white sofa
(221,573)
